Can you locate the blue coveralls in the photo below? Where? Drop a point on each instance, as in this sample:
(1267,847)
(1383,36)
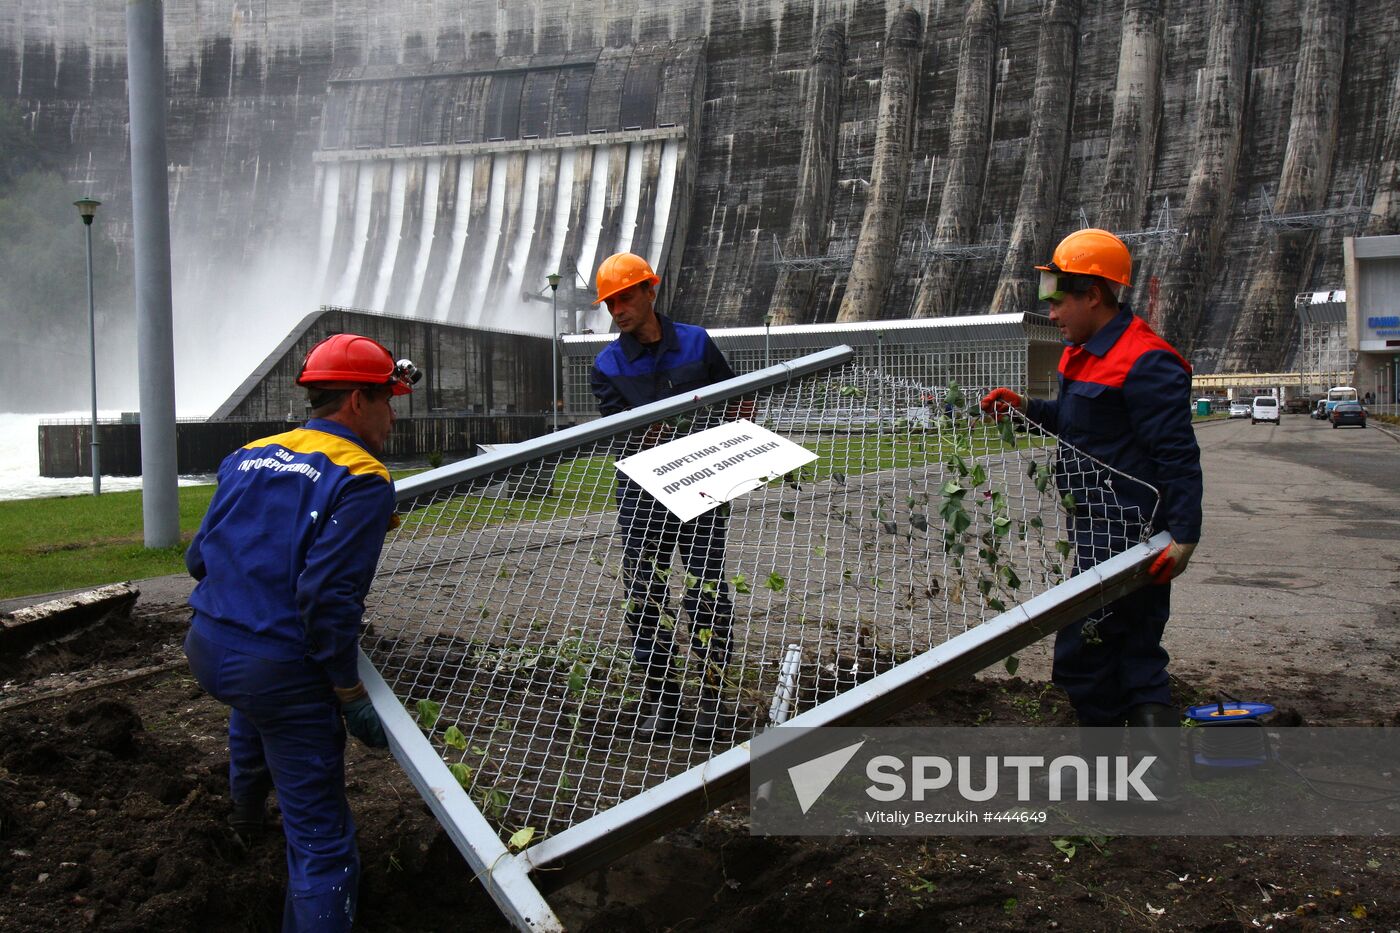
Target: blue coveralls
(1124,399)
(627,374)
(284,559)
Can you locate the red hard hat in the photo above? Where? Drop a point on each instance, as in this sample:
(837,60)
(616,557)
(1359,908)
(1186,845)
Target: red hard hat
(349,361)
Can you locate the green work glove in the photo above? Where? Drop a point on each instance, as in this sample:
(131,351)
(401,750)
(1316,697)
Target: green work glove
(361,720)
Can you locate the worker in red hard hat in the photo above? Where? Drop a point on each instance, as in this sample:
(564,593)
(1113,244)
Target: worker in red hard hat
(655,358)
(1124,401)
(284,559)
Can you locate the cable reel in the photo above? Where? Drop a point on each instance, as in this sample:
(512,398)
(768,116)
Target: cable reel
(1231,737)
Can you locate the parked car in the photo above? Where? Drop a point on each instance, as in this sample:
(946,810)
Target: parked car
(1239,408)
(1320,410)
(1348,413)
(1265,408)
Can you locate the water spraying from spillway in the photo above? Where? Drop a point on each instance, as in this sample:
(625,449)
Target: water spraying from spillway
(593,223)
(506,307)
(665,189)
(466,168)
(330,201)
(398,182)
(462,239)
(359,239)
(563,203)
(632,193)
(495,212)
(432,180)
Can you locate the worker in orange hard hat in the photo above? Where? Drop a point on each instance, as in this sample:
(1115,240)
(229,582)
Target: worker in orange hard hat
(655,358)
(283,560)
(1124,401)
(621,271)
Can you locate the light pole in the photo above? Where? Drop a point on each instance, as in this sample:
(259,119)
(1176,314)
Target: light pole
(87,209)
(554,348)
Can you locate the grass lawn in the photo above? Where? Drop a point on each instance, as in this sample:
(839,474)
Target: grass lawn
(67,542)
(74,541)
(587,484)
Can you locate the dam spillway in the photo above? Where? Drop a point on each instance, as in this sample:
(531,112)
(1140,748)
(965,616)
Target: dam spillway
(437,163)
(482,181)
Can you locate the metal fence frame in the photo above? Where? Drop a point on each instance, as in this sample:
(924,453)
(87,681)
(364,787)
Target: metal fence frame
(515,880)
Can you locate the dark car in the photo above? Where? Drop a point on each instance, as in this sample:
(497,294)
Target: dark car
(1348,413)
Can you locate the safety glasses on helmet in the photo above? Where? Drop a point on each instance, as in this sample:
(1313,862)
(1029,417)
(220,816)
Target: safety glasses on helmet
(1054,286)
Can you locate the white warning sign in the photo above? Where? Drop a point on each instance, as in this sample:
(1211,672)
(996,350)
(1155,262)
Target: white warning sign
(695,473)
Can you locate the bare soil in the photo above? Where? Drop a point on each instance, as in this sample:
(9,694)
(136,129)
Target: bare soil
(112,806)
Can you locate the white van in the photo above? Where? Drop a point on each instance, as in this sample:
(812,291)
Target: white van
(1265,408)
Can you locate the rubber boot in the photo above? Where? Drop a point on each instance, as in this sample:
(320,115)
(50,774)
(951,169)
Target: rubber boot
(661,704)
(1154,729)
(709,718)
(248,820)
(1095,741)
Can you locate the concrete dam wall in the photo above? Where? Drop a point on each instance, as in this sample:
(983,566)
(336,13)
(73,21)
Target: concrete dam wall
(806,160)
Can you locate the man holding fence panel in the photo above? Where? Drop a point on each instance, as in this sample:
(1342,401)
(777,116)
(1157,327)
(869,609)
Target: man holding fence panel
(655,358)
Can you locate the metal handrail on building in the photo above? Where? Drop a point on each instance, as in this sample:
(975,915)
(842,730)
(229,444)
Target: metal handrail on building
(1351,214)
(1020,349)
(1161,230)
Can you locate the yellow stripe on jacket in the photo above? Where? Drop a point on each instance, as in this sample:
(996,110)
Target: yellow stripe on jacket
(338,450)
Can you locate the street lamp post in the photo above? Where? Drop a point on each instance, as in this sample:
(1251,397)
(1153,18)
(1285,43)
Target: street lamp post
(87,209)
(554,348)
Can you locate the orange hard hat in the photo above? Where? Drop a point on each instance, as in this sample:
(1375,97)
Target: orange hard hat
(620,271)
(1092,252)
(349,361)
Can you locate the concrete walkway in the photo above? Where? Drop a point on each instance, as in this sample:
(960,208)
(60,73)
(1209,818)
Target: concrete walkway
(1294,593)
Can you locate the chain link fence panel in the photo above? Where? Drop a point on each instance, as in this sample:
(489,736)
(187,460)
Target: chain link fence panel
(534,616)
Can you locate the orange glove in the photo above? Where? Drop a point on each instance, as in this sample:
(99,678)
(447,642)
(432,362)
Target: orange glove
(1170,563)
(1000,402)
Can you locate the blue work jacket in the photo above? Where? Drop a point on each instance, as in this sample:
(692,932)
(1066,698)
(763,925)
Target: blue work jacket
(627,374)
(287,550)
(1125,399)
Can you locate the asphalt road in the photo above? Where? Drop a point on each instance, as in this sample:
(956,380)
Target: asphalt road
(1292,595)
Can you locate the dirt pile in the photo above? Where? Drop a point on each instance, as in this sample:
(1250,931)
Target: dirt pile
(113,799)
(112,826)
